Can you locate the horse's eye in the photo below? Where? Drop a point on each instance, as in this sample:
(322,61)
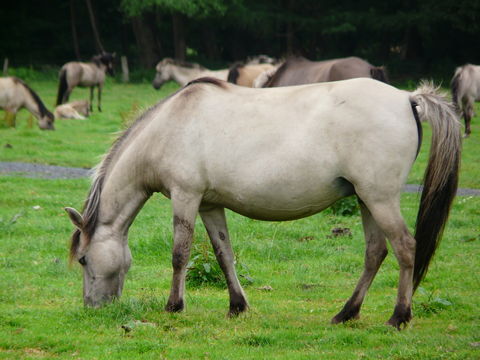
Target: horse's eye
(82,261)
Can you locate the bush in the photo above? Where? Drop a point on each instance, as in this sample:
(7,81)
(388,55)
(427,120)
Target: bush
(203,268)
(346,207)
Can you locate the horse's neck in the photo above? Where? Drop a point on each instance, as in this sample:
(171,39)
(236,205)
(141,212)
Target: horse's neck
(183,75)
(30,104)
(122,197)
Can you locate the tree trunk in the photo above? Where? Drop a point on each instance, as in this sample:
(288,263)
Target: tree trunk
(290,33)
(76,48)
(145,42)
(179,42)
(96,35)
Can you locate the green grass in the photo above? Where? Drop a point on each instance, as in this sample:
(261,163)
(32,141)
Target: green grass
(311,273)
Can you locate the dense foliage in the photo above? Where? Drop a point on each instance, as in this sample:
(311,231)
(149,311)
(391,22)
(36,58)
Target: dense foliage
(412,37)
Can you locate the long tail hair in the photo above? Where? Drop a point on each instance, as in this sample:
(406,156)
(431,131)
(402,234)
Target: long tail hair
(441,176)
(379,73)
(62,86)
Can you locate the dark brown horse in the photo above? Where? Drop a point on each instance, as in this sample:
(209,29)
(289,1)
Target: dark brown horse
(298,71)
(85,75)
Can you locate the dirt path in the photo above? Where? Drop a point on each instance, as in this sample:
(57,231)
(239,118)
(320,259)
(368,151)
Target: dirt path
(61,172)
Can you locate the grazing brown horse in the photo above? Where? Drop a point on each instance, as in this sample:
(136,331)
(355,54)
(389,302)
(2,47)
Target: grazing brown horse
(298,71)
(272,154)
(85,75)
(465,87)
(245,74)
(16,94)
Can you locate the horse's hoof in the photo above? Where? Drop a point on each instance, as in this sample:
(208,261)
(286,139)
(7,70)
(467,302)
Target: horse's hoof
(400,318)
(237,308)
(341,318)
(174,307)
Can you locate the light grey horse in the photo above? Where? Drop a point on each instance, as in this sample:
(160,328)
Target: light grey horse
(83,74)
(465,91)
(183,72)
(15,94)
(272,154)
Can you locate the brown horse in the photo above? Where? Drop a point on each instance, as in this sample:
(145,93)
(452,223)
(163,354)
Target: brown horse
(85,75)
(16,94)
(245,74)
(465,91)
(298,71)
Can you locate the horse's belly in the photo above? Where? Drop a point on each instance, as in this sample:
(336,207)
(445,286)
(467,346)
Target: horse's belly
(279,203)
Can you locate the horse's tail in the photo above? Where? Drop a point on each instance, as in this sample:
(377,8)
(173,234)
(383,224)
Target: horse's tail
(379,73)
(62,86)
(441,176)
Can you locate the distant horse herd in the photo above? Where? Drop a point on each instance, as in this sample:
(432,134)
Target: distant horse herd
(312,133)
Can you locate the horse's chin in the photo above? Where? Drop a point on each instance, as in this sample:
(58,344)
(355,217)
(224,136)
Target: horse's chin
(156,86)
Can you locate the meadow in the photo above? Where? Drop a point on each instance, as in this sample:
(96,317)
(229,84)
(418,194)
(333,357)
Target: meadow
(297,274)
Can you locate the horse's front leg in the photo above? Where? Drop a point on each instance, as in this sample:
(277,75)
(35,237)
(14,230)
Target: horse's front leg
(99,99)
(91,98)
(185,208)
(216,225)
(10,118)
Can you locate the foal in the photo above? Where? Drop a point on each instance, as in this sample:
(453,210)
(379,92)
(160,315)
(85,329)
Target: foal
(85,75)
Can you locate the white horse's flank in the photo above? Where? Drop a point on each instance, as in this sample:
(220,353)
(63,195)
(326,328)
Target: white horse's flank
(465,91)
(272,154)
(182,73)
(16,94)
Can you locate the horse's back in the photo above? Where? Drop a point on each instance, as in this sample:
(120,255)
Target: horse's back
(349,68)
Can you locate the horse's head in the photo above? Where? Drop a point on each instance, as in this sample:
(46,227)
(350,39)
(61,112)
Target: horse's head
(163,74)
(107,60)
(45,121)
(104,256)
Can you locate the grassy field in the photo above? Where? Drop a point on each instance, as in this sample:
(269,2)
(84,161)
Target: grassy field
(301,273)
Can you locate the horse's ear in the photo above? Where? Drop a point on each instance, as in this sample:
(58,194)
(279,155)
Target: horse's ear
(75,217)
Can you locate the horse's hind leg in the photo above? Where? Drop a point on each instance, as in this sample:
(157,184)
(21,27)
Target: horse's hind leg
(185,208)
(468,113)
(91,98)
(99,99)
(376,250)
(388,217)
(216,225)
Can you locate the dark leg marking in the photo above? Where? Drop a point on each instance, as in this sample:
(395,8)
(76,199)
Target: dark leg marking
(221,235)
(183,223)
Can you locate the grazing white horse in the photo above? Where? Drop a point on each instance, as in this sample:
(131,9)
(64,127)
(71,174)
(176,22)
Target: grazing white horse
(465,91)
(15,95)
(272,154)
(183,72)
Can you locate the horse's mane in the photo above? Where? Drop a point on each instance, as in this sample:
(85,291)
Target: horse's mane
(281,70)
(233,72)
(104,58)
(41,106)
(182,63)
